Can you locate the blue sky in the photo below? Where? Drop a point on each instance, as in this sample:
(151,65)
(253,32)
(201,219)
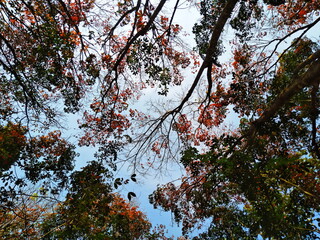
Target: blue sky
(147,184)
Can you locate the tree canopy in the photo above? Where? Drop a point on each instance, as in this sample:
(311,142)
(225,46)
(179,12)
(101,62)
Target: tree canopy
(256,62)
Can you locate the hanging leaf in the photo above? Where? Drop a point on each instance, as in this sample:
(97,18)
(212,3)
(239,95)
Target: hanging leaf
(133,177)
(130,195)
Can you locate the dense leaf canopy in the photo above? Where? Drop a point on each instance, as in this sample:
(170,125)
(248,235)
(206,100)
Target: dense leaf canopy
(255,62)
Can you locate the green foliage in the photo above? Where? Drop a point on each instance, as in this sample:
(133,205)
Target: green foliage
(241,23)
(86,205)
(289,62)
(65,57)
(210,11)
(263,187)
(92,211)
(12,141)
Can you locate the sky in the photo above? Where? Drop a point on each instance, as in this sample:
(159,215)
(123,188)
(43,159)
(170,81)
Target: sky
(186,16)
(147,184)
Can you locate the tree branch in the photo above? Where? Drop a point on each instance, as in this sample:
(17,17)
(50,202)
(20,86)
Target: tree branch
(313,117)
(218,28)
(310,78)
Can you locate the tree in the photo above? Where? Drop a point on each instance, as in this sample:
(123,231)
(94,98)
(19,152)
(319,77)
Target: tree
(248,181)
(38,40)
(46,159)
(22,220)
(91,210)
(261,180)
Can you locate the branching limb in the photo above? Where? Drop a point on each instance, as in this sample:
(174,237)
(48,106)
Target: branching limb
(314,116)
(218,28)
(305,29)
(125,50)
(308,79)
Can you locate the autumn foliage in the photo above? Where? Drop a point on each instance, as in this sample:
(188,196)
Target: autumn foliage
(237,109)
(92,211)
